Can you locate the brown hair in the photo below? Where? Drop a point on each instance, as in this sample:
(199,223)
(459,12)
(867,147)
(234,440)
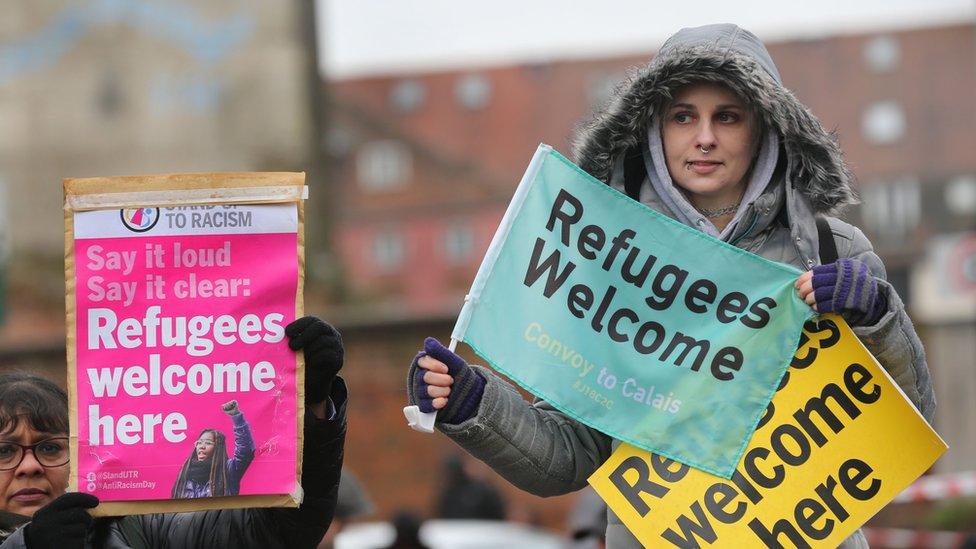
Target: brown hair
(37,400)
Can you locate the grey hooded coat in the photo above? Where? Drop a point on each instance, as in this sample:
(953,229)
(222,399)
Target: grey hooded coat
(545,452)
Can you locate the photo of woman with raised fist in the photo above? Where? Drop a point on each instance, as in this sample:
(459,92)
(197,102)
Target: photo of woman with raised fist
(208,471)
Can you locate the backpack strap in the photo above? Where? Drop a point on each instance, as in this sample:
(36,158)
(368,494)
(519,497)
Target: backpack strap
(634,172)
(828,248)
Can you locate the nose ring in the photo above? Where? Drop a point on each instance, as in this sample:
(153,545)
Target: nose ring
(704,150)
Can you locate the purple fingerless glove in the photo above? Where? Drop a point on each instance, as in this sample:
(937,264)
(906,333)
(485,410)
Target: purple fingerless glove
(466,391)
(847,287)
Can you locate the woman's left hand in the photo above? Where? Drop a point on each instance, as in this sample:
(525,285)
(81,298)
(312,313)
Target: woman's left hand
(323,354)
(845,287)
(804,286)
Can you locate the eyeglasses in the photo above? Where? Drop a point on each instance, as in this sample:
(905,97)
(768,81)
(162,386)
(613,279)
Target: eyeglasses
(51,452)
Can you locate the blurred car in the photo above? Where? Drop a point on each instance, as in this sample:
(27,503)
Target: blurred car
(451,534)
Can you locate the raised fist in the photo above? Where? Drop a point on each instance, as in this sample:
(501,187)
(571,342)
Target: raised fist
(230,408)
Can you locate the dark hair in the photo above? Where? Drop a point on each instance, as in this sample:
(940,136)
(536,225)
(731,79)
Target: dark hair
(35,399)
(218,467)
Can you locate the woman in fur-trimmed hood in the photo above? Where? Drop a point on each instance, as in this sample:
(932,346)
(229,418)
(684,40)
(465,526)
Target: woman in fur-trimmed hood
(707,135)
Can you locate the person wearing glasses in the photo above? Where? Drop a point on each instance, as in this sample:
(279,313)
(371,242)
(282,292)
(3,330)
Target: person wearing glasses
(36,513)
(209,471)
(33,447)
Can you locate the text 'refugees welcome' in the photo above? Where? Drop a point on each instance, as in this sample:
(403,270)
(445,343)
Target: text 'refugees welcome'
(667,286)
(198,335)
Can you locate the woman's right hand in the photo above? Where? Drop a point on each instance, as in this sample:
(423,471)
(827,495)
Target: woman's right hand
(443,381)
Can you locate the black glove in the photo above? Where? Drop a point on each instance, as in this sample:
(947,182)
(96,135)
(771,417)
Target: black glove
(61,524)
(323,354)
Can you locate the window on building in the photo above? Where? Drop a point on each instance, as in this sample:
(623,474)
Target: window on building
(960,195)
(388,250)
(408,95)
(458,244)
(538,70)
(473,91)
(892,209)
(882,54)
(338,141)
(883,123)
(382,165)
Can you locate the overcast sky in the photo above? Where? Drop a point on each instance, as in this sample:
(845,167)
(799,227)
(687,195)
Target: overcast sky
(362,37)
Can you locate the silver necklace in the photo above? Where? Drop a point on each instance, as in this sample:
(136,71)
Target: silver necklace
(718,212)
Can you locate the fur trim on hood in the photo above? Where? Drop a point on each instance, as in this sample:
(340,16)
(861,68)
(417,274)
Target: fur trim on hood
(736,58)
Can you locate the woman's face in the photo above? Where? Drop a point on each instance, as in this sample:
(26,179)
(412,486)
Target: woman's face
(709,116)
(205,446)
(30,485)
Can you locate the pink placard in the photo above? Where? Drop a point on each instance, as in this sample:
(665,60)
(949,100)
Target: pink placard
(170,327)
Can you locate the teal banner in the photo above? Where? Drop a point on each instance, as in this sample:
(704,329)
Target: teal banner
(630,322)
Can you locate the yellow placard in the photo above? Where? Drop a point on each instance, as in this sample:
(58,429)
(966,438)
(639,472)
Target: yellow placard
(838,441)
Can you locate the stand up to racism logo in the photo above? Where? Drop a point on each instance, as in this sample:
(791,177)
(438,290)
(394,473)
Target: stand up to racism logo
(139,220)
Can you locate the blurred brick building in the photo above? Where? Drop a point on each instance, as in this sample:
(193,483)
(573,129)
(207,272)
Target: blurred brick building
(425,163)
(125,87)
(422,167)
